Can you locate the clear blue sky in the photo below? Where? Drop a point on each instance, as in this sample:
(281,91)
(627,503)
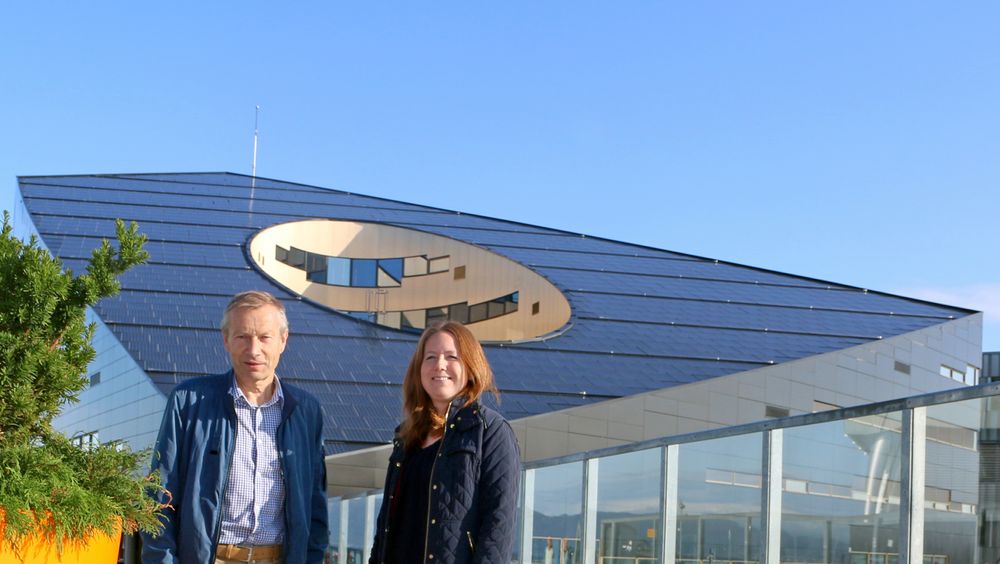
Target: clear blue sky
(857,142)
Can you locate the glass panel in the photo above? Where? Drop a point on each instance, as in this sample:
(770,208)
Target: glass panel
(719,502)
(385,280)
(436,314)
(296,257)
(848,509)
(477,313)
(392,267)
(439,264)
(356,530)
(511,304)
(414,266)
(416,319)
(954,501)
(333,510)
(459,312)
(629,488)
(363,273)
(338,271)
(316,268)
(496,308)
(558,520)
(389,319)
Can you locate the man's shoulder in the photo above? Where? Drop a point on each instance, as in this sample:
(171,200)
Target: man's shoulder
(201,385)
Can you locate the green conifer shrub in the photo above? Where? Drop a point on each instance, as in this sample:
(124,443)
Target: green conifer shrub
(47,483)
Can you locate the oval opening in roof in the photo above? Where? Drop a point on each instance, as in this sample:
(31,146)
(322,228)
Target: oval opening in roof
(407,279)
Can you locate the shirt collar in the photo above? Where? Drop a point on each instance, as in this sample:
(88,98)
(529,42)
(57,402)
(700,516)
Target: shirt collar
(278,397)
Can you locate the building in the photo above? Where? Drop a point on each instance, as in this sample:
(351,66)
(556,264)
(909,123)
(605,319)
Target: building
(596,343)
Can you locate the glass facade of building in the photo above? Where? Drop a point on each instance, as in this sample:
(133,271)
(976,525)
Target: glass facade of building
(907,481)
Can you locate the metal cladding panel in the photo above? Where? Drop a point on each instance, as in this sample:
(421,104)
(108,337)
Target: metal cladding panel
(643,318)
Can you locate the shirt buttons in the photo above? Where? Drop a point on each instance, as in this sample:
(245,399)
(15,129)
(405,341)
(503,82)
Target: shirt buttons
(434,487)
(433,521)
(398,464)
(430,557)
(452,426)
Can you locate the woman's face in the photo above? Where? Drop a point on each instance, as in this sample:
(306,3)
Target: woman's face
(441,372)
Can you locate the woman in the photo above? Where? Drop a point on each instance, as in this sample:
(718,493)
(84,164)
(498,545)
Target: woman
(452,484)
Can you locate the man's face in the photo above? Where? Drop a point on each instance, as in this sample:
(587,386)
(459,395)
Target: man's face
(255,341)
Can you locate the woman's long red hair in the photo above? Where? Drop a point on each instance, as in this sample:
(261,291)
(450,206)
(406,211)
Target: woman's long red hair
(419,417)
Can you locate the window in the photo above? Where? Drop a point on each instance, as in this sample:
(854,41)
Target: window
(436,314)
(86,441)
(460,272)
(338,271)
(363,273)
(439,264)
(390,272)
(459,312)
(535,307)
(969,376)
(316,270)
(414,266)
(296,258)
(95,379)
(477,312)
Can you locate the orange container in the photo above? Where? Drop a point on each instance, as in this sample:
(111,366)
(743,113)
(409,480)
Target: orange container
(97,548)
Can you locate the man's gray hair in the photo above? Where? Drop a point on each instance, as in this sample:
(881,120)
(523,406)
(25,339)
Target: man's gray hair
(254,299)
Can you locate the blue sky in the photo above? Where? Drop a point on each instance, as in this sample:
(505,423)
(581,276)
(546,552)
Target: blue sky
(856,142)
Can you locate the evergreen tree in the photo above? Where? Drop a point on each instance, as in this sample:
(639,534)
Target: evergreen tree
(46,482)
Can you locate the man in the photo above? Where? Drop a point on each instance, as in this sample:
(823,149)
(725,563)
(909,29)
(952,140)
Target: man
(241,455)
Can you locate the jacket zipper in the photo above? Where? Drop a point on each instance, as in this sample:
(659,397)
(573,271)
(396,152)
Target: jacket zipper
(430,486)
(472,545)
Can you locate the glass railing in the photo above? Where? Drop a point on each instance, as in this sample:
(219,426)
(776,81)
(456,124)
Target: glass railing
(915,480)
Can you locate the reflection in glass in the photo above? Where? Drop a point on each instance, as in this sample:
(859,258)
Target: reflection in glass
(629,488)
(954,500)
(338,271)
(719,493)
(363,272)
(356,530)
(558,522)
(333,511)
(841,495)
(439,264)
(414,266)
(393,268)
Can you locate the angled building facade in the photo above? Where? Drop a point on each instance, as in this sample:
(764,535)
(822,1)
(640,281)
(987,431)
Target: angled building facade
(595,342)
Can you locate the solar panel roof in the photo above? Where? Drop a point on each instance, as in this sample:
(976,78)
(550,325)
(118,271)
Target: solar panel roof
(643,318)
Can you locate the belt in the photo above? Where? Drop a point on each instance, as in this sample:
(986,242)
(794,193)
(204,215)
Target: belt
(248,553)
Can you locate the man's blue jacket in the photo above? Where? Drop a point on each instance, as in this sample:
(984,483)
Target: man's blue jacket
(193,452)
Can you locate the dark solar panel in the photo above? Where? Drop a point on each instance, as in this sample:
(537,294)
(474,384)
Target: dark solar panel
(644,319)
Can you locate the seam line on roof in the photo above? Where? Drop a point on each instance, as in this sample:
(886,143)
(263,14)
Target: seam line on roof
(699,278)
(731,328)
(412,207)
(605,239)
(555,235)
(764,304)
(392,386)
(519,347)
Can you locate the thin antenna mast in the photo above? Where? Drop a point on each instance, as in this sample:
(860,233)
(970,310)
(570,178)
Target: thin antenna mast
(253,166)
